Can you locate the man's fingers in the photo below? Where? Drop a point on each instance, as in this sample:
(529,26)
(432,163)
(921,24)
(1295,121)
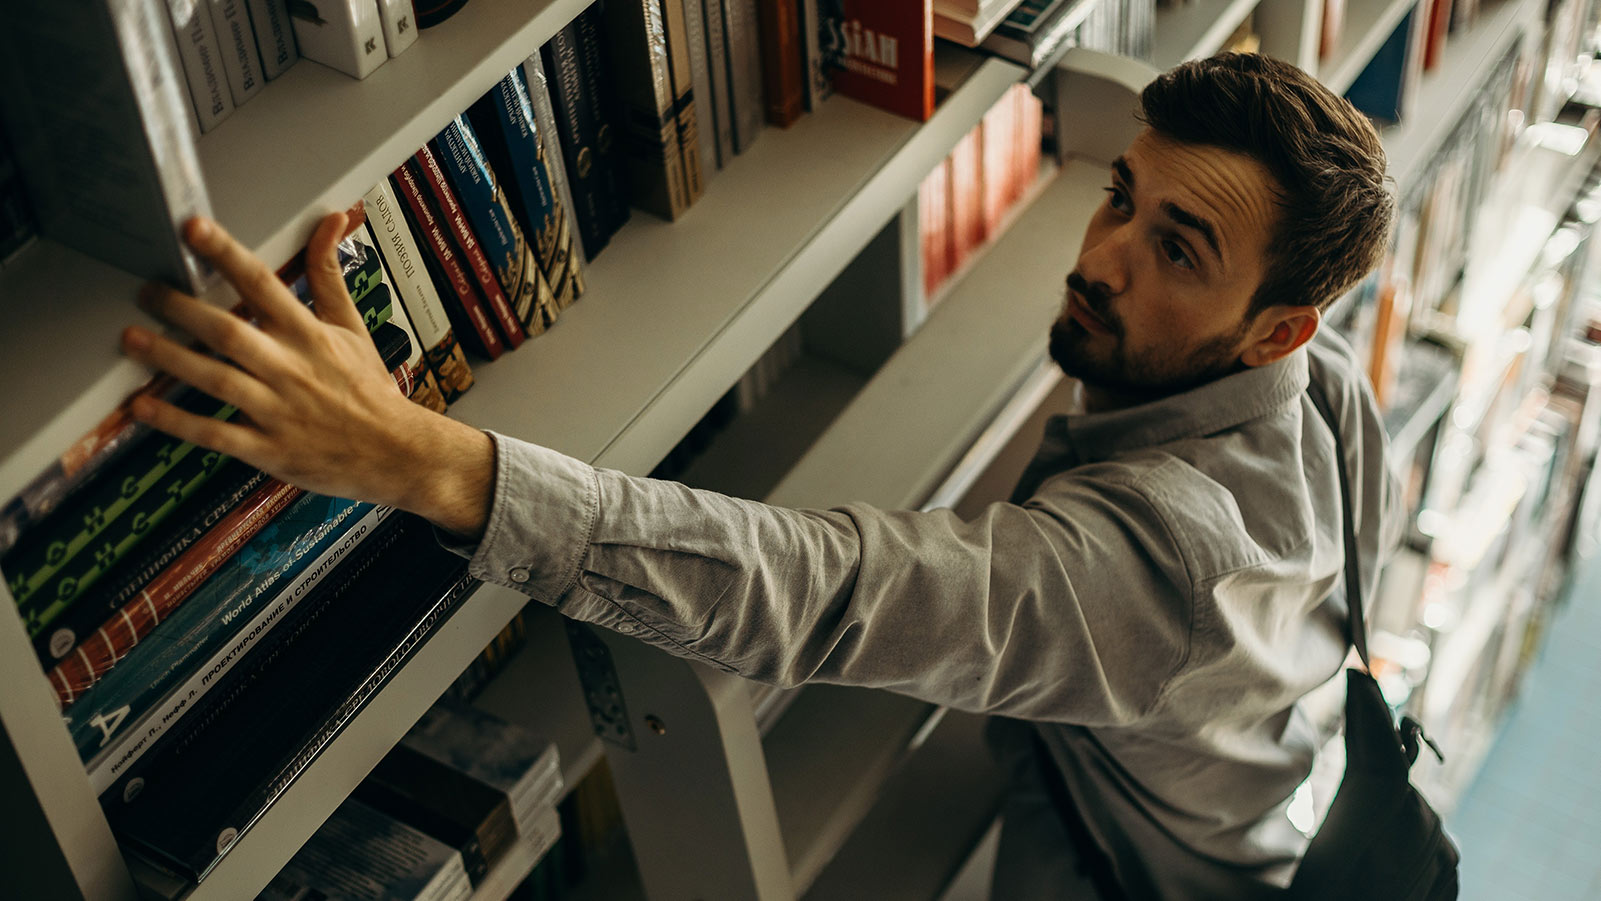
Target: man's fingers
(330,300)
(227,438)
(226,383)
(258,286)
(223,332)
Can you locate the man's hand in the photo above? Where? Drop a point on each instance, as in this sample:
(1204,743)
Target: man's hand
(319,411)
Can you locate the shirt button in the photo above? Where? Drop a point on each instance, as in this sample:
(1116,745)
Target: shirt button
(626,628)
(519,574)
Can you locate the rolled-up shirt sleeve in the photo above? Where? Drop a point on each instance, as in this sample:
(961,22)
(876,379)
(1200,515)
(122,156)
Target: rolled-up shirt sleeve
(1073,609)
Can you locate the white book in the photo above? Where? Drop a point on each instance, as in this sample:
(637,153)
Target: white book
(400,31)
(399,248)
(201,54)
(700,78)
(240,59)
(348,35)
(414,361)
(275,38)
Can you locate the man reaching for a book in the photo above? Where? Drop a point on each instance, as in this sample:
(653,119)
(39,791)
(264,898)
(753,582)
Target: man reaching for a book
(1148,613)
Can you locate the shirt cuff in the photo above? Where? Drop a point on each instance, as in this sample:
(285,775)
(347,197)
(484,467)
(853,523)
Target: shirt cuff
(542,515)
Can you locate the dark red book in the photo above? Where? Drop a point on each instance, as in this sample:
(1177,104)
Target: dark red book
(472,253)
(783,63)
(966,198)
(885,54)
(462,305)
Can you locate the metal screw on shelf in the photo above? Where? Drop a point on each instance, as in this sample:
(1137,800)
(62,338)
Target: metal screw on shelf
(656,725)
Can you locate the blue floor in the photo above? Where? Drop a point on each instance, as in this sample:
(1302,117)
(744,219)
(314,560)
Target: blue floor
(1530,824)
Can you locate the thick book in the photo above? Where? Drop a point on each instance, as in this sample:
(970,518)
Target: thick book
(482,195)
(455,287)
(122,583)
(346,35)
(576,130)
(966,198)
(403,258)
(598,70)
(363,854)
(275,36)
(1037,29)
(886,53)
(528,163)
(134,176)
(515,762)
(467,815)
(201,54)
(108,645)
(686,112)
(400,28)
(997,173)
(533,70)
(473,256)
(139,702)
(419,383)
(240,58)
(700,78)
(651,154)
(211,780)
(783,61)
(741,34)
(933,226)
(721,105)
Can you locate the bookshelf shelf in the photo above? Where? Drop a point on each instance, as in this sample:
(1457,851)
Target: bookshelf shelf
(1368,23)
(1196,29)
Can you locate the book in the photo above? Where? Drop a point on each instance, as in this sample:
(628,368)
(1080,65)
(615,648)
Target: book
(886,52)
(455,287)
(575,129)
(137,703)
(969,24)
(1036,31)
(598,71)
(433,12)
(102,650)
(470,817)
(717,90)
(966,198)
(534,78)
(400,31)
(212,779)
(528,162)
(473,258)
(686,112)
(346,35)
(424,388)
(201,54)
(652,157)
(480,192)
(194,518)
(515,762)
(241,61)
(741,34)
(934,233)
(700,79)
(403,260)
(817,83)
(275,36)
(134,177)
(997,176)
(362,854)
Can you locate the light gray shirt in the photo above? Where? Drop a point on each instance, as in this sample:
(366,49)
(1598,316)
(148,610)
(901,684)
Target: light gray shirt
(1159,602)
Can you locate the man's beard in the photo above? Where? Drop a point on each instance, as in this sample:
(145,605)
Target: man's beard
(1134,378)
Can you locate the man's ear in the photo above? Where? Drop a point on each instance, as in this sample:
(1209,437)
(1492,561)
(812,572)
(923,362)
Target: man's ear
(1278,332)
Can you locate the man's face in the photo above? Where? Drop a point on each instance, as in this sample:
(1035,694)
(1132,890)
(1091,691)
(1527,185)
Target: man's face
(1157,303)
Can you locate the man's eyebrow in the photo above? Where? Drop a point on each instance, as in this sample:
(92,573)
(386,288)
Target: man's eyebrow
(1123,171)
(1190,220)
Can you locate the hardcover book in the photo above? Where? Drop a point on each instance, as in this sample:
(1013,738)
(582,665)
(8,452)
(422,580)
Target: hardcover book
(212,780)
(424,387)
(362,854)
(651,154)
(455,287)
(275,36)
(742,35)
(347,35)
(403,260)
(783,62)
(515,762)
(686,111)
(700,79)
(201,54)
(576,128)
(1037,29)
(240,58)
(469,816)
(473,257)
(598,71)
(721,107)
(533,71)
(886,54)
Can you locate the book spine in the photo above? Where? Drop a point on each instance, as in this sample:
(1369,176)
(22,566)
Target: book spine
(472,253)
(482,195)
(399,30)
(996,172)
(139,703)
(275,37)
(575,129)
(966,198)
(240,59)
(363,852)
(347,36)
(888,55)
(461,302)
(391,798)
(700,79)
(722,104)
(816,77)
(225,491)
(651,153)
(397,245)
(600,89)
(201,54)
(424,388)
(782,65)
(933,217)
(685,110)
(744,70)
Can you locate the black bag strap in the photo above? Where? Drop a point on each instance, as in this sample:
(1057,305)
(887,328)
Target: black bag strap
(1356,629)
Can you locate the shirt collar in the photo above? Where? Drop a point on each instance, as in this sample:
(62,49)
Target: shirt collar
(1222,404)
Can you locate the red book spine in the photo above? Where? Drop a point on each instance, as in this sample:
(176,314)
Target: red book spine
(967,200)
(887,55)
(450,210)
(996,169)
(98,653)
(477,323)
(934,216)
(783,91)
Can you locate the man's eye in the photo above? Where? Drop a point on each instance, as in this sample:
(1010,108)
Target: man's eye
(1175,254)
(1117,200)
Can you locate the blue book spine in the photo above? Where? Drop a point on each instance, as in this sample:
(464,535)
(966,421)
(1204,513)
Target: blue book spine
(143,696)
(484,201)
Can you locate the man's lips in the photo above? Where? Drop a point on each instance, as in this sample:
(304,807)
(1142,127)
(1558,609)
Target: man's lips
(1082,314)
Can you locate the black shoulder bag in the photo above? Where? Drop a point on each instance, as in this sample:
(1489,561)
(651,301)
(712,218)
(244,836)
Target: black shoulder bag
(1381,839)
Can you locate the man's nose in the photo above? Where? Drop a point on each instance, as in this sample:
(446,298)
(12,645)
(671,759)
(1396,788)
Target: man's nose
(1105,261)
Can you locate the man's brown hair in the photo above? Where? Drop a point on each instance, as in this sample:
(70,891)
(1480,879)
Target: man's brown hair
(1335,208)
